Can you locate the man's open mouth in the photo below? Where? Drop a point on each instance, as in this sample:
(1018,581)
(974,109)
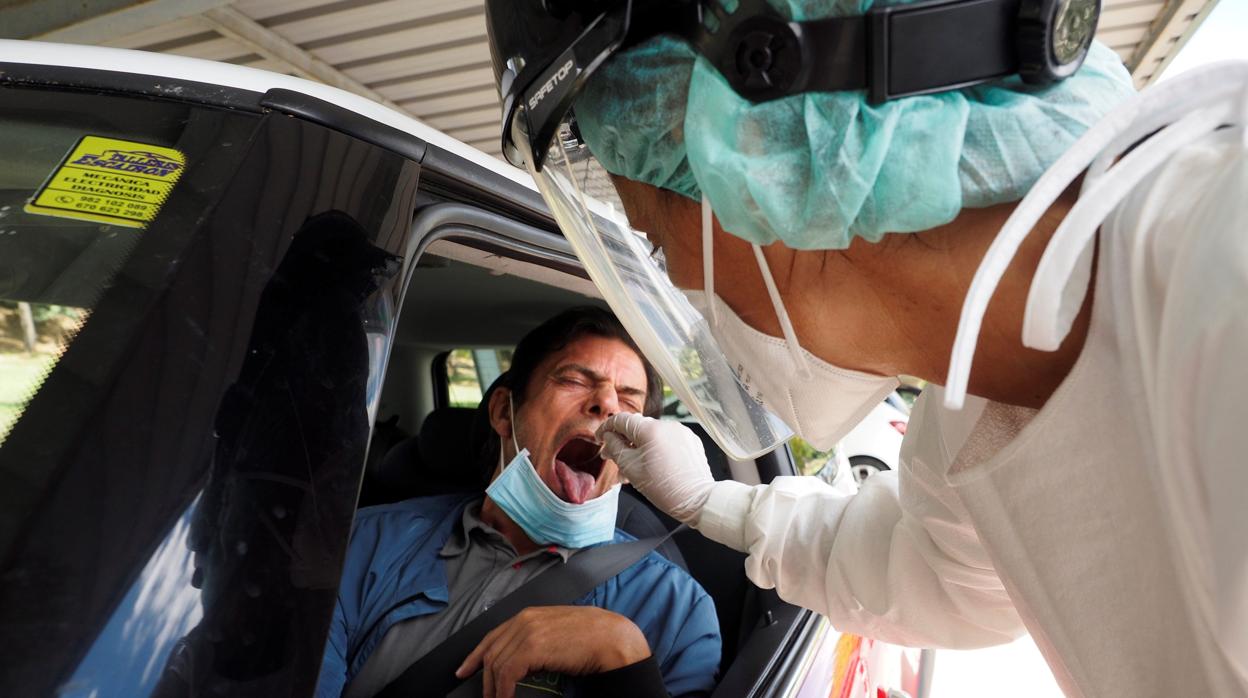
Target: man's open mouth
(577,465)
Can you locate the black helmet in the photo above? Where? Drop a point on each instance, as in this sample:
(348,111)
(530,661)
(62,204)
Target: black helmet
(544,50)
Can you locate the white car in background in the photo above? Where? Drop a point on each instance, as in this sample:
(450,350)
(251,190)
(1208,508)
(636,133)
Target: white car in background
(875,444)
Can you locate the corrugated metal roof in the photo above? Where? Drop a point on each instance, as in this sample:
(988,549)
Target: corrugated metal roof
(430,57)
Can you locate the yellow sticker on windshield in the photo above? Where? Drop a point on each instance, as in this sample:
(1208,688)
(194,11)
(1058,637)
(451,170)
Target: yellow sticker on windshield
(110,181)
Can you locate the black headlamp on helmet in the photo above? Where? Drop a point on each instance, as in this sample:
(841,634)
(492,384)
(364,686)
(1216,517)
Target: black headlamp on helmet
(544,50)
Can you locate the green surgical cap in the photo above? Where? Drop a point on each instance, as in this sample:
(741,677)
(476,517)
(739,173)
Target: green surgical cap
(815,170)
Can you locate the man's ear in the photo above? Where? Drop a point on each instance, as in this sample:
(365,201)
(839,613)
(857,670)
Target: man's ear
(500,411)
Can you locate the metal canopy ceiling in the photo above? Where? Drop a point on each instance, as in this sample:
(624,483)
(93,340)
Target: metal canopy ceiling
(426,57)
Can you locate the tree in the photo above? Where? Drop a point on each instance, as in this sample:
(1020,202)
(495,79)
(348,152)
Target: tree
(28,326)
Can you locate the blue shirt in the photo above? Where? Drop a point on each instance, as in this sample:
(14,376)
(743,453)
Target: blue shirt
(393,572)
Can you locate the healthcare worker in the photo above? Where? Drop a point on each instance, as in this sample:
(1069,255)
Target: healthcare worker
(835,194)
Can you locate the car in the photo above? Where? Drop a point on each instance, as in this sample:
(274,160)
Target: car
(250,346)
(874,445)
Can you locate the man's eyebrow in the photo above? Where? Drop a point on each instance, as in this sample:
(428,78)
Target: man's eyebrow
(597,377)
(630,390)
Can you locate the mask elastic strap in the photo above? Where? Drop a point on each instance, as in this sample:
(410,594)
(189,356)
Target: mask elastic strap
(1094,152)
(1059,285)
(790,336)
(1243,117)
(511,411)
(708,260)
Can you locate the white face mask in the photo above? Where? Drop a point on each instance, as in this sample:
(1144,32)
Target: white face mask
(821,402)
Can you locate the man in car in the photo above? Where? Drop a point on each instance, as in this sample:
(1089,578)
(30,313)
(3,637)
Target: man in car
(419,570)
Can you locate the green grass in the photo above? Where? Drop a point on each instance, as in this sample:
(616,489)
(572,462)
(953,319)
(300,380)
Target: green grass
(20,376)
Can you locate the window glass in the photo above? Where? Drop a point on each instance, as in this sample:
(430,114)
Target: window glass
(470,372)
(808,459)
(74,202)
(99,200)
(32,337)
(187,376)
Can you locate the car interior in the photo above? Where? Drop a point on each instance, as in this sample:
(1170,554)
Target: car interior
(465,298)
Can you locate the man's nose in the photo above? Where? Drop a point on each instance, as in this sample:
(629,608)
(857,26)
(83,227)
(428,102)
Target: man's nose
(604,402)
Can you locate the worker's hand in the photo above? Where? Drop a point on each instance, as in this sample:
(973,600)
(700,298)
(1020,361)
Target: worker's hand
(664,460)
(573,640)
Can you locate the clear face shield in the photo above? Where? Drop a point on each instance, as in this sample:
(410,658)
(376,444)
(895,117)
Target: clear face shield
(633,279)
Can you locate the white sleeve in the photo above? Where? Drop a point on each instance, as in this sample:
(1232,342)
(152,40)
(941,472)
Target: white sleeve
(898,562)
(1200,382)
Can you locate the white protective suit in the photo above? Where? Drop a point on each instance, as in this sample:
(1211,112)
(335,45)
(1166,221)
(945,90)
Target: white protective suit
(1113,523)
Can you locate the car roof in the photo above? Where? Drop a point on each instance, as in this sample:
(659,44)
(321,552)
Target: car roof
(243,78)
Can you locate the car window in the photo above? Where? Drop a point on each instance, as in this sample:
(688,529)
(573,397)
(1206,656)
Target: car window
(809,460)
(470,372)
(34,335)
(188,368)
(98,201)
(673,408)
(75,199)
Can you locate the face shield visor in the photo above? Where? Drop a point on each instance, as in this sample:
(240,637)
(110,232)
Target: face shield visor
(633,280)
(544,52)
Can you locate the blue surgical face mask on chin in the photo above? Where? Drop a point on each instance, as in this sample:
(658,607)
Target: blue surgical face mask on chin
(543,516)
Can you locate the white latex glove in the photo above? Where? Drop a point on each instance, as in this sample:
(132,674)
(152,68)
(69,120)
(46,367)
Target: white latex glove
(664,460)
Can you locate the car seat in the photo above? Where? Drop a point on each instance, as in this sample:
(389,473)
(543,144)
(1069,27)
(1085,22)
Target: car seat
(438,460)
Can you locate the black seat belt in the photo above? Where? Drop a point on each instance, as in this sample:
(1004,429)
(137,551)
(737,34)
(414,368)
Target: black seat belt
(434,673)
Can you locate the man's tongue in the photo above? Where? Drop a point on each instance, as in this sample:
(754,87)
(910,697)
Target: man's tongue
(577,485)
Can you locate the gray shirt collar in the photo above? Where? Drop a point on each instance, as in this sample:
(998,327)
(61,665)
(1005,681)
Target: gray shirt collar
(471,529)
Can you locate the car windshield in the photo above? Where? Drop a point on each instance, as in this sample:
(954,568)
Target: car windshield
(75,198)
(195,307)
(97,202)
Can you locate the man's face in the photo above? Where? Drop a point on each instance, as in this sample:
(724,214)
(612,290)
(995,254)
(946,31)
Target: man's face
(570,394)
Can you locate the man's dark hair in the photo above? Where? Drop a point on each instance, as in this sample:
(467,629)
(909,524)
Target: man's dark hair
(560,331)
(542,341)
